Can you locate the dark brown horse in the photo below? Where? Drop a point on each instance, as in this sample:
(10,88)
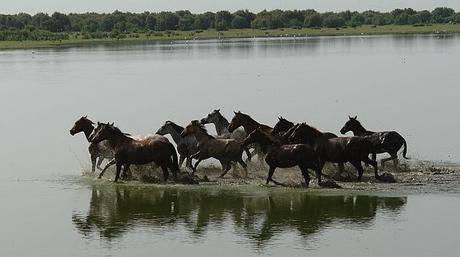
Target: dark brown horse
(98,152)
(282,126)
(131,151)
(249,125)
(286,156)
(227,151)
(382,142)
(338,149)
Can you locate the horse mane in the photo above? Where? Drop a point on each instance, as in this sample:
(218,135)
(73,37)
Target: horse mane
(117,130)
(176,127)
(202,128)
(223,119)
(312,130)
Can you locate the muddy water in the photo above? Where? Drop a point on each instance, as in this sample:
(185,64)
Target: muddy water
(406,83)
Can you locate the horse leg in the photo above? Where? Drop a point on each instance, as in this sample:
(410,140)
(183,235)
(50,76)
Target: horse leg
(126,172)
(359,168)
(196,165)
(248,153)
(165,172)
(110,163)
(341,167)
(393,156)
(93,162)
(181,160)
(271,170)
(188,162)
(306,176)
(245,166)
(374,164)
(226,167)
(117,175)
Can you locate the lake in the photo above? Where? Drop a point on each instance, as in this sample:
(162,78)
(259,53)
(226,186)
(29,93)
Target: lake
(405,83)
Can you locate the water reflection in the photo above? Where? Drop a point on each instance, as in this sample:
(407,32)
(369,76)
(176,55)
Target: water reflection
(257,216)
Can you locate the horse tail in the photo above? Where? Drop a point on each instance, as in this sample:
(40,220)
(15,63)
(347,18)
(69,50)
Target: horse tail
(175,163)
(405,148)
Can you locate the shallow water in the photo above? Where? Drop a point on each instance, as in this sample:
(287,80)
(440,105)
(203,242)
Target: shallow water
(407,83)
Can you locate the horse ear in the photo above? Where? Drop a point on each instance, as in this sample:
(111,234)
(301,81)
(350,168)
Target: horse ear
(349,117)
(112,124)
(98,123)
(86,116)
(356,117)
(234,112)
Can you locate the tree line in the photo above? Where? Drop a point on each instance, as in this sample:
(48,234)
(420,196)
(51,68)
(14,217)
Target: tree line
(42,26)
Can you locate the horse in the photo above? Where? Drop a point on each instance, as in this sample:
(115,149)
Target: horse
(382,142)
(221,125)
(227,151)
(282,126)
(98,152)
(286,156)
(337,149)
(243,120)
(186,146)
(131,151)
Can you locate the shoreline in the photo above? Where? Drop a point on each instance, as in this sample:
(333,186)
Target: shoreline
(171,36)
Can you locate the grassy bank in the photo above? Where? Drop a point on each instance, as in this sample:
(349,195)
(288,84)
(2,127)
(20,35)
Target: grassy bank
(78,39)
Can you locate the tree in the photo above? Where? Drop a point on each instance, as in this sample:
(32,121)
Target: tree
(313,21)
(167,21)
(332,20)
(186,23)
(61,22)
(239,22)
(150,21)
(223,20)
(442,14)
(202,21)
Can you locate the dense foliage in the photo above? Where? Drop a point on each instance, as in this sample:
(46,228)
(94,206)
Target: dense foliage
(42,26)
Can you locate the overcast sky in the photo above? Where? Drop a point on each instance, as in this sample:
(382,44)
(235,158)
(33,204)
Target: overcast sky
(197,6)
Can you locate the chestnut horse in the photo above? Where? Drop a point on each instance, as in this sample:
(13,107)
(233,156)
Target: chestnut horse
(131,151)
(286,156)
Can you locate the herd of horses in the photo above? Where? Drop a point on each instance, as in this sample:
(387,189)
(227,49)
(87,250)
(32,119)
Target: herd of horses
(283,146)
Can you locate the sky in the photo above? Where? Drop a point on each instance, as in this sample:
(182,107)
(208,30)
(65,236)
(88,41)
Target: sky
(199,6)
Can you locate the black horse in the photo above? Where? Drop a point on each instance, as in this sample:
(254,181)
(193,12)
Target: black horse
(338,149)
(282,126)
(286,156)
(382,142)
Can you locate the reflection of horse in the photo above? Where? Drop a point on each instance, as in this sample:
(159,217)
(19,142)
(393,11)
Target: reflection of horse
(115,210)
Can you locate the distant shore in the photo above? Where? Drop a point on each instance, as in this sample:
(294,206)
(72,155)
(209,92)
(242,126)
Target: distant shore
(76,39)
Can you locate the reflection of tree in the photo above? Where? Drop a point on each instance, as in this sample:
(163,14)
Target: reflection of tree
(115,209)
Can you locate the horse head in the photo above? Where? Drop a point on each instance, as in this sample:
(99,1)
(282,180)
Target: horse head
(213,117)
(351,125)
(82,124)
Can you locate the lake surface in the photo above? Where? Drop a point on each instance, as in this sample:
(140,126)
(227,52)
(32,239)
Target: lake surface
(405,83)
